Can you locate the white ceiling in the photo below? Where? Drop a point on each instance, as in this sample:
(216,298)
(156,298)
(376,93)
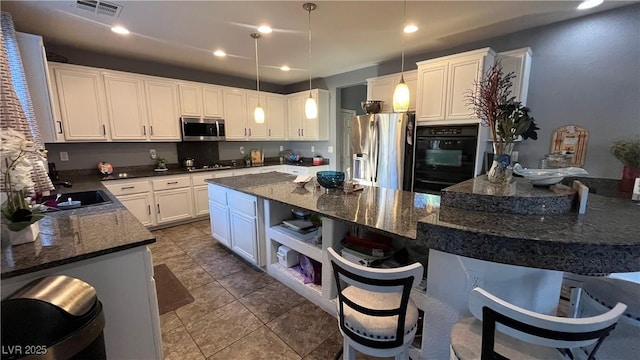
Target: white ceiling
(347,35)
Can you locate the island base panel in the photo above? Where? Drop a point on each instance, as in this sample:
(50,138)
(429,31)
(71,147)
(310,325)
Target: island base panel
(450,278)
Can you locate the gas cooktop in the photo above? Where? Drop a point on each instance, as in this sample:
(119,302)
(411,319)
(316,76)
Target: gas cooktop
(208,168)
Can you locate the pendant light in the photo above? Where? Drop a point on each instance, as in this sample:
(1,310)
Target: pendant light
(310,106)
(401,93)
(258,113)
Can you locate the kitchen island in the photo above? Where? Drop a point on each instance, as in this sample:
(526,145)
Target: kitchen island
(519,257)
(105,246)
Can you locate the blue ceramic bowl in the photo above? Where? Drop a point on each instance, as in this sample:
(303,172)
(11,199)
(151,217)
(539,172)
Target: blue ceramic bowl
(330,179)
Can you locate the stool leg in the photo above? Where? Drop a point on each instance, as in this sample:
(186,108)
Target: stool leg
(574,301)
(347,352)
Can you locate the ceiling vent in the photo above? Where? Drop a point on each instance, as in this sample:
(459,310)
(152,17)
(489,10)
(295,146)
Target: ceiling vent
(100,7)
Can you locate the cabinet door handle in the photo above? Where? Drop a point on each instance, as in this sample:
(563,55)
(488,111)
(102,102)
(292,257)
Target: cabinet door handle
(172,182)
(245,131)
(149,207)
(302,131)
(127,187)
(151,128)
(60,126)
(104,130)
(298,132)
(158,208)
(249,131)
(144,130)
(269,132)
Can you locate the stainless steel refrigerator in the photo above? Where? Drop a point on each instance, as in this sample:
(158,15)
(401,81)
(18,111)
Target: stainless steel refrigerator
(382,149)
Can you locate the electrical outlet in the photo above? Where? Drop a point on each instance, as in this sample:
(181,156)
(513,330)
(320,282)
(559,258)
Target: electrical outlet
(281,147)
(152,153)
(313,148)
(474,279)
(242,150)
(330,149)
(64,156)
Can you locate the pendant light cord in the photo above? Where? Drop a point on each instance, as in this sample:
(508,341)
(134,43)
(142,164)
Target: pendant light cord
(310,8)
(257,71)
(404,39)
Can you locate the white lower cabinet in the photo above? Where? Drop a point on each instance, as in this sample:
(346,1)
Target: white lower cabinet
(172,205)
(219,219)
(236,221)
(200,200)
(140,206)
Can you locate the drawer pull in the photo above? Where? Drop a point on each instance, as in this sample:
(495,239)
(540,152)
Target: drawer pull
(127,187)
(172,183)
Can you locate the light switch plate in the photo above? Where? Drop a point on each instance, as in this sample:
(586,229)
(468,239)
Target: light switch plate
(313,148)
(330,149)
(152,153)
(64,156)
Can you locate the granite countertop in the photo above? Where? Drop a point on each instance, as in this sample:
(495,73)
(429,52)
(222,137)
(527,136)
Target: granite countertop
(394,212)
(72,235)
(603,240)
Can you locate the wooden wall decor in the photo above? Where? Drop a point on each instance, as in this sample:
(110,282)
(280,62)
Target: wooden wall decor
(571,139)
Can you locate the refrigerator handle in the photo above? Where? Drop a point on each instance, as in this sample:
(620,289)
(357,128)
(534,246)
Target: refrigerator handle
(373,152)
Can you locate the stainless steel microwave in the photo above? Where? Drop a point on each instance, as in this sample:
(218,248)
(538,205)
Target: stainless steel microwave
(202,129)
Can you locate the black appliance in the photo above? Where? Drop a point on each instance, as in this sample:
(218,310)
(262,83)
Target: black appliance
(444,156)
(202,129)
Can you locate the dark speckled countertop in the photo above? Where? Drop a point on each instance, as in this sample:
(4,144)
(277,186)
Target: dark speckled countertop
(604,240)
(73,235)
(391,211)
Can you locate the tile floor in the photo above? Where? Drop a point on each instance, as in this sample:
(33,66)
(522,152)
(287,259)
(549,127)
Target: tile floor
(239,312)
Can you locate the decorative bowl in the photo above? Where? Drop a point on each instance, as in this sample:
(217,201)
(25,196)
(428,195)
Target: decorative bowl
(546,177)
(371,106)
(330,179)
(293,157)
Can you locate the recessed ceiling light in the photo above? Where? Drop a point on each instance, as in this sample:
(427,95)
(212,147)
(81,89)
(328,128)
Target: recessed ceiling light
(265,29)
(410,29)
(588,4)
(120,30)
(219,53)
(285,68)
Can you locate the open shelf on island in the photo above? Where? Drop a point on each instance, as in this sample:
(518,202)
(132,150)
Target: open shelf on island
(302,243)
(293,279)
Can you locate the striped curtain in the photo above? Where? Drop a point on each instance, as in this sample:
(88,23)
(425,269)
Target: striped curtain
(16,109)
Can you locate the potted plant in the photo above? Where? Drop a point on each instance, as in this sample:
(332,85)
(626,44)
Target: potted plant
(247,160)
(161,163)
(18,216)
(628,152)
(506,118)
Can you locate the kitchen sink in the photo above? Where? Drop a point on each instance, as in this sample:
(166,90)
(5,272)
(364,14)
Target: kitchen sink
(86,198)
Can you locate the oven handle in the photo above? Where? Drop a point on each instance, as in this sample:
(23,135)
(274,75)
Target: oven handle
(434,182)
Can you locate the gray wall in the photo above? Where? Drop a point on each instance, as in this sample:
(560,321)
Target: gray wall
(87,155)
(350,98)
(141,66)
(584,71)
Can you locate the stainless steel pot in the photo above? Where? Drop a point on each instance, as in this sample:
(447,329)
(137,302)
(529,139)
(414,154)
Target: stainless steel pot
(188,162)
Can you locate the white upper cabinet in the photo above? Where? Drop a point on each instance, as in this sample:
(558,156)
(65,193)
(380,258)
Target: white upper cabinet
(444,83)
(162,110)
(212,101)
(256,131)
(127,107)
(190,100)
(276,115)
(383,87)
(200,100)
(301,128)
(235,114)
(81,102)
(519,62)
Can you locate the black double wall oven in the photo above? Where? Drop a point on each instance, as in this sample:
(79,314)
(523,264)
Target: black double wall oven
(444,156)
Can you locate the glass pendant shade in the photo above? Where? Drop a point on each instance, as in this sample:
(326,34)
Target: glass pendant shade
(401,97)
(258,114)
(310,108)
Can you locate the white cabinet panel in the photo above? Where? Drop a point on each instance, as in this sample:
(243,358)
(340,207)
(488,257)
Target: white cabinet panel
(295,114)
(162,110)
(171,183)
(432,85)
(190,100)
(212,101)
(519,62)
(235,114)
(382,89)
(127,107)
(219,218)
(276,117)
(244,235)
(256,131)
(463,75)
(82,103)
(411,79)
(301,128)
(140,205)
(172,205)
(200,200)
(125,187)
